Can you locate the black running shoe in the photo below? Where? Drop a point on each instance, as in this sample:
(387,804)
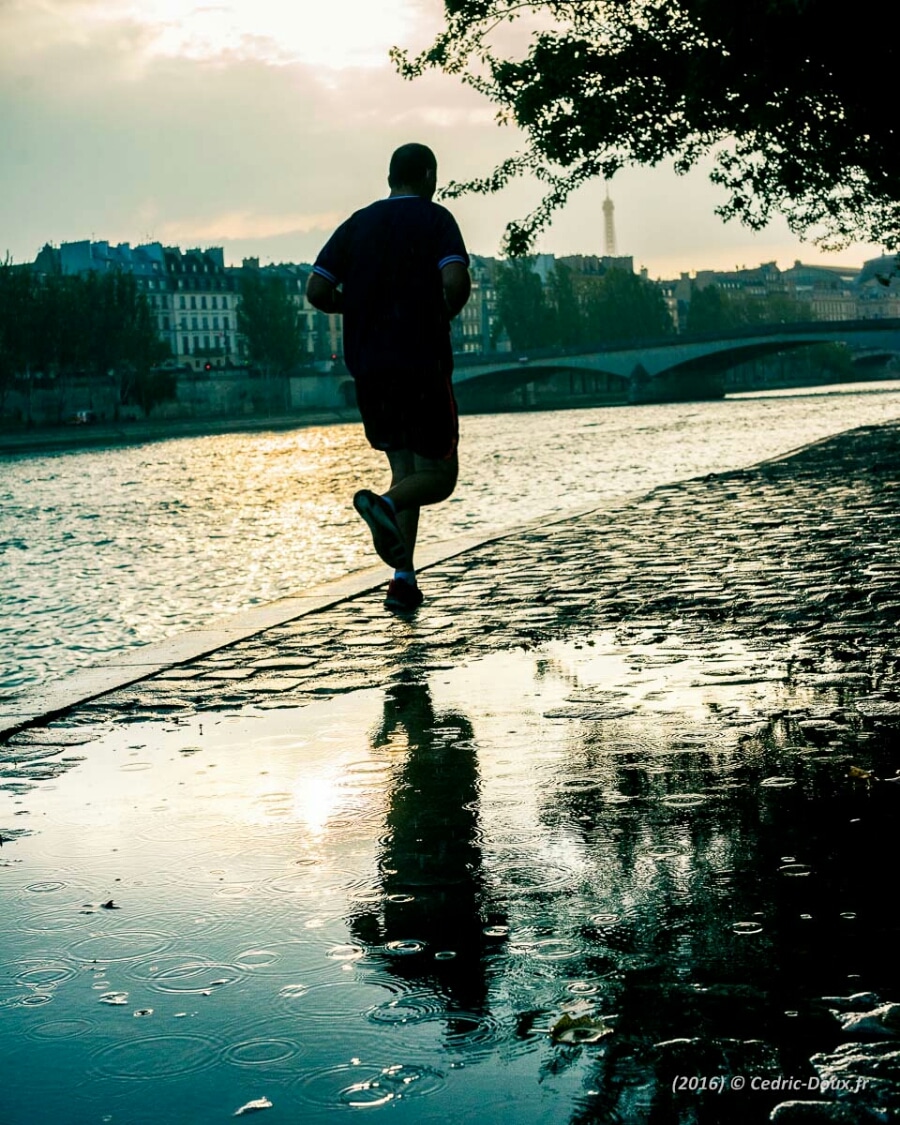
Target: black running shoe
(387,538)
(402,596)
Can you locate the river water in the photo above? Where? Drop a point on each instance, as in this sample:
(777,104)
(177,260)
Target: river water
(108,548)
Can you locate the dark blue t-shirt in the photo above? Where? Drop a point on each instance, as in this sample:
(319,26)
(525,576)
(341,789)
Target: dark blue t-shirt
(387,258)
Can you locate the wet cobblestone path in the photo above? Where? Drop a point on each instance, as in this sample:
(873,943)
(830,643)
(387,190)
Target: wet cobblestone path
(803,553)
(715,905)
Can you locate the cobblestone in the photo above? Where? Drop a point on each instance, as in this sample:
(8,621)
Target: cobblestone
(801,553)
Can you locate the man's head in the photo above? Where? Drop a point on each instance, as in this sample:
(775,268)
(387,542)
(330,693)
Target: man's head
(413,169)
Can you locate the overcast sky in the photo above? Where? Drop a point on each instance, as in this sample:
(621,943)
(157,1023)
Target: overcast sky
(257,125)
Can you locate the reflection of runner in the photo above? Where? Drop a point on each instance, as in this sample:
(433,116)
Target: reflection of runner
(431,865)
(398,271)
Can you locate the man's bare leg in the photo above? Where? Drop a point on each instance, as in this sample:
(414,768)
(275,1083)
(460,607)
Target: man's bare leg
(415,482)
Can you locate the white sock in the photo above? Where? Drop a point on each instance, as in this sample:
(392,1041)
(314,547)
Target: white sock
(406,575)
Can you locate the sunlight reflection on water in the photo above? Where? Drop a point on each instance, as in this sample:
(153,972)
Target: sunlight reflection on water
(480,934)
(103,549)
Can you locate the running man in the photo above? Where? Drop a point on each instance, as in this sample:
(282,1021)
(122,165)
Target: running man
(398,271)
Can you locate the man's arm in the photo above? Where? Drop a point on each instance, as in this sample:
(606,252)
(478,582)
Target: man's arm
(324,295)
(457,286)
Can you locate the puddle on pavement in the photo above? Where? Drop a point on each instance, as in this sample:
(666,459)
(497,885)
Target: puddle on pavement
(537,887)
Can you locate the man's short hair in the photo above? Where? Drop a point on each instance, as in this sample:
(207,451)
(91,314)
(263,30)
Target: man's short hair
(410,164)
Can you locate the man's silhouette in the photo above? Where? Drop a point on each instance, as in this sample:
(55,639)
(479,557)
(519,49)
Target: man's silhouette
(398,271)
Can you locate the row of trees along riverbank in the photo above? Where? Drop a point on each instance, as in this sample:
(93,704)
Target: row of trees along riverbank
(97,327)
(573,308)
(95,337)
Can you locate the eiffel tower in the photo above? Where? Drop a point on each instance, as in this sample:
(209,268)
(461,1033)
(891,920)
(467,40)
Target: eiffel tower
(609,227)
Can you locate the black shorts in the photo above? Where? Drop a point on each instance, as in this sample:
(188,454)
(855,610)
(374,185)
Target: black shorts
(417,413)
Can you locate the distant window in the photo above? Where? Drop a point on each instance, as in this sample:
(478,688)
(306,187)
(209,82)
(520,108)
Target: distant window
(196,343)
(202,302)
(225,323)
(165,321)
(216,323)
(214,305)
(193,302)
(186,346)
(194,323)
(206,343)
(182,300)
(206,322)
(183,323)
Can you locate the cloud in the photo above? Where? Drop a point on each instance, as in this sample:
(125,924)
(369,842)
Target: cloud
(105,135)
(103,139)
(237,226)
(336,34)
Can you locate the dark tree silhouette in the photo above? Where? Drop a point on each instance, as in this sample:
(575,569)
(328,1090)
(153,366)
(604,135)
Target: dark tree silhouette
(714,310)
(270,323)
(522,306)
(790,98)
(96,328)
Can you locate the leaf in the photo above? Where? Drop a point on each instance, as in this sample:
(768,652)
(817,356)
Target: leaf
(582,1030)
(857,774)
(253,1107)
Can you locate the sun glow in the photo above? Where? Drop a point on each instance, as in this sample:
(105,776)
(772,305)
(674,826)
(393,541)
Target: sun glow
(341,33)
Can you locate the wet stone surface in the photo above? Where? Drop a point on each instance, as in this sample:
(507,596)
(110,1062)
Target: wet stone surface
(637,857)
(803,552)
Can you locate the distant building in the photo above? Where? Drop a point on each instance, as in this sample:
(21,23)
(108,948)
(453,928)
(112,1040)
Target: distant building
(592,265)
(147,264)
(677,295)
(759,281)
(476,329)
(833,293)
(323,333)
(205,299)
(878,288)
(830,291)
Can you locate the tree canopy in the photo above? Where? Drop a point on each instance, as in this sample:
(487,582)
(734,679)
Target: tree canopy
(270,323)
(575,309)
(98,327)
(790,97)
(714,310)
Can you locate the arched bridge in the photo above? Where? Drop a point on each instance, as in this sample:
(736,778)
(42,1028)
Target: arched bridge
(673,368)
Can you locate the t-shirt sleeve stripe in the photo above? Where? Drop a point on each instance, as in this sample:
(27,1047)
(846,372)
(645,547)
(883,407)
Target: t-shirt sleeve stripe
(451,258)
(325,273)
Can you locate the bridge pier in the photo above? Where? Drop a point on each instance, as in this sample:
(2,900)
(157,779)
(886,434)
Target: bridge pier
(687,386)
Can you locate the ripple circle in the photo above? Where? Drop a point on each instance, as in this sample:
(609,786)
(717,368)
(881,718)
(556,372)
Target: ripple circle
(42,974)
(406,1009)
(260,1052)
(340,999)
(185,976)
(120,945)
(366,1086)
(61,1029)
(161,1056)
(747,928)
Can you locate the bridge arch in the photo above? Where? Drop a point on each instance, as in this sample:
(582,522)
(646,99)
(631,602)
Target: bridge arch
(673,368)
